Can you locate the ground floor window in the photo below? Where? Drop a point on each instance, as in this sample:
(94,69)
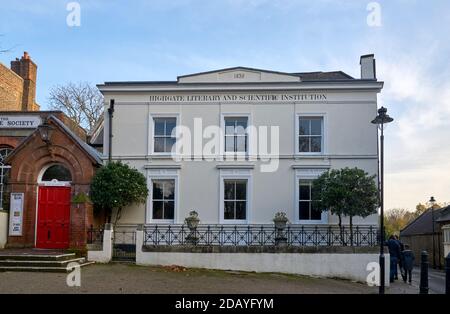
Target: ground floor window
(309,209)
(4,174)
(235,199)
(163,199)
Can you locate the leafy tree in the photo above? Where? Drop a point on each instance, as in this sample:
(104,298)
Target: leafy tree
(347,193)
(81,102)
(397,219)
(115,186)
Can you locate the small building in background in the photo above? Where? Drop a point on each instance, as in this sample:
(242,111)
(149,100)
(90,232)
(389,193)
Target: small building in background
(419,235)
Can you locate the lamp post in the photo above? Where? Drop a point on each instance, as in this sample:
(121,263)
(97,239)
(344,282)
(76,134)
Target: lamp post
(432,202)
(381,119)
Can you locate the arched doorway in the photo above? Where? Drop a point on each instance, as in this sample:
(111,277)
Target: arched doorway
(53,217)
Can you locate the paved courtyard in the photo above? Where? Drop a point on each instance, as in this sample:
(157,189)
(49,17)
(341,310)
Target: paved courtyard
(128,278)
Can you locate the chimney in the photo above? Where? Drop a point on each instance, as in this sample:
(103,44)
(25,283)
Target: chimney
(27,69)
(368,67)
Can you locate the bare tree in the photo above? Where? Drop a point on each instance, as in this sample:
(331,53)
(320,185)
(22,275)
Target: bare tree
(81,102)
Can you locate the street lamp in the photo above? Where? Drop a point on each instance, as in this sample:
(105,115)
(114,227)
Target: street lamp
(432,202)
(381,119)
(46,131)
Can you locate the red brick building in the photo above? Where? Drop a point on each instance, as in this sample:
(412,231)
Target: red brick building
(47,178)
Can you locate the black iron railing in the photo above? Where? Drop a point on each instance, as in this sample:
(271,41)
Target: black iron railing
(95,235)
(260,235)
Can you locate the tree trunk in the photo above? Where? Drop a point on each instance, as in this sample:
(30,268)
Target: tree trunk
(118,216)
(351,230)
(341,230)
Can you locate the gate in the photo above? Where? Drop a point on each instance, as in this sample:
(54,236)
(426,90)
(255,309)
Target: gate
(124,243)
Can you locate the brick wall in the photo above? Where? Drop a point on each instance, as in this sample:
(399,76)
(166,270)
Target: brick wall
(18,85)
(11,90)
(26,165)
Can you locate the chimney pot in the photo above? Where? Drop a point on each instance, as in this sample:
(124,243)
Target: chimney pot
(26,56)
(368,67)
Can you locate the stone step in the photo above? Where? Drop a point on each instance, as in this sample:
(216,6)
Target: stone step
(41,263)
(37,257)
(38,268)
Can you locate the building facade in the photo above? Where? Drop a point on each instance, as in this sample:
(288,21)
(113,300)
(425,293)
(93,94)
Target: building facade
(238,145)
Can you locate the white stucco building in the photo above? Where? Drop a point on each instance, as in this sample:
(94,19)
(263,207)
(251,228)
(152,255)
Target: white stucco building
(323,121)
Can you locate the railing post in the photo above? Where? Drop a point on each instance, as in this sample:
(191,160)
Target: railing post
(424,273)
(447,274)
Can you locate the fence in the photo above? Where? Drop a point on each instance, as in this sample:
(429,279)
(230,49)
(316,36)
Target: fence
(259,235)
(95,236)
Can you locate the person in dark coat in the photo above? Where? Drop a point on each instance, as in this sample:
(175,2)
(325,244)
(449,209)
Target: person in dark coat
(408,263)
(395,255)
(400,260)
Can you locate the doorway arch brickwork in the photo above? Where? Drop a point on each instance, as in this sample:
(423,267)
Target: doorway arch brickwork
(27,162)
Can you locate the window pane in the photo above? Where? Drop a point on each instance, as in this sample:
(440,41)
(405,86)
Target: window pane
(229,143)
(157,190)
(241,208)
(159,126)
(241,125)
(170,141)
(229,190)
(316,144)
(157,210)
(159,145)
(57,172)
(241,143)
(304,127)
(168,209)
(316,213)
(304,192)
(170,125)
(241,190)
(229,126)
(169,189)
(303,145)
(304,210)
(316,126)
(229,210)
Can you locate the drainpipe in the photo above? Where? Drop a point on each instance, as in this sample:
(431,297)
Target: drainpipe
(110,117)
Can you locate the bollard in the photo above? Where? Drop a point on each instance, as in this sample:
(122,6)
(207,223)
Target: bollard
(447,274)
(424,273)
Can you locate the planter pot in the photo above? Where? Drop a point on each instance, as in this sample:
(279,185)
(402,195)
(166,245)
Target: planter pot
(192,223)
(280,224)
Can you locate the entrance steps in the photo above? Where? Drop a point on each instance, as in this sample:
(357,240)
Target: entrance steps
(39,261)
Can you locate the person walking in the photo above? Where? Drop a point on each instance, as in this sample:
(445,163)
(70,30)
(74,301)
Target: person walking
(395,255)
(408,263)
(400,260)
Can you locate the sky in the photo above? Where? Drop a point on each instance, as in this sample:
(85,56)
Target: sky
(120,40)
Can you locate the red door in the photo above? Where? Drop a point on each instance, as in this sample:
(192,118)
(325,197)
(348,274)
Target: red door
(53,217)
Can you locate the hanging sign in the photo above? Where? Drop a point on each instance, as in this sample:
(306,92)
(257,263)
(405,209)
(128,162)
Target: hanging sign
(16,214)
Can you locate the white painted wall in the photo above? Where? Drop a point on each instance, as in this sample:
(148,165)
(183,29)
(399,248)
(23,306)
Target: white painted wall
(446,233)
(345,266)
(351,141)
(104,255)
(3,228)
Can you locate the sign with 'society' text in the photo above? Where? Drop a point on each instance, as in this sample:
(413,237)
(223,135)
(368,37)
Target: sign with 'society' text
(16,214)
(19,122)
(241,97)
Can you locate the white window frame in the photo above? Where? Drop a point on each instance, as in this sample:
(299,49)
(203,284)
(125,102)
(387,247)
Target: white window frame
(151,131)
(309,174)
(235,174)
(162,174)
(249,151)
(322,115)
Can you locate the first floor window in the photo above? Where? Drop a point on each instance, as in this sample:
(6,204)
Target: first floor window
(235,199)
(236,134)
(163,199)
(309,209)
(310,135)
(163,139)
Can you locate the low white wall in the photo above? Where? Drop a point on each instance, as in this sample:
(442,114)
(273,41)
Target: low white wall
(104,255)
(3,228)
(330,265)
